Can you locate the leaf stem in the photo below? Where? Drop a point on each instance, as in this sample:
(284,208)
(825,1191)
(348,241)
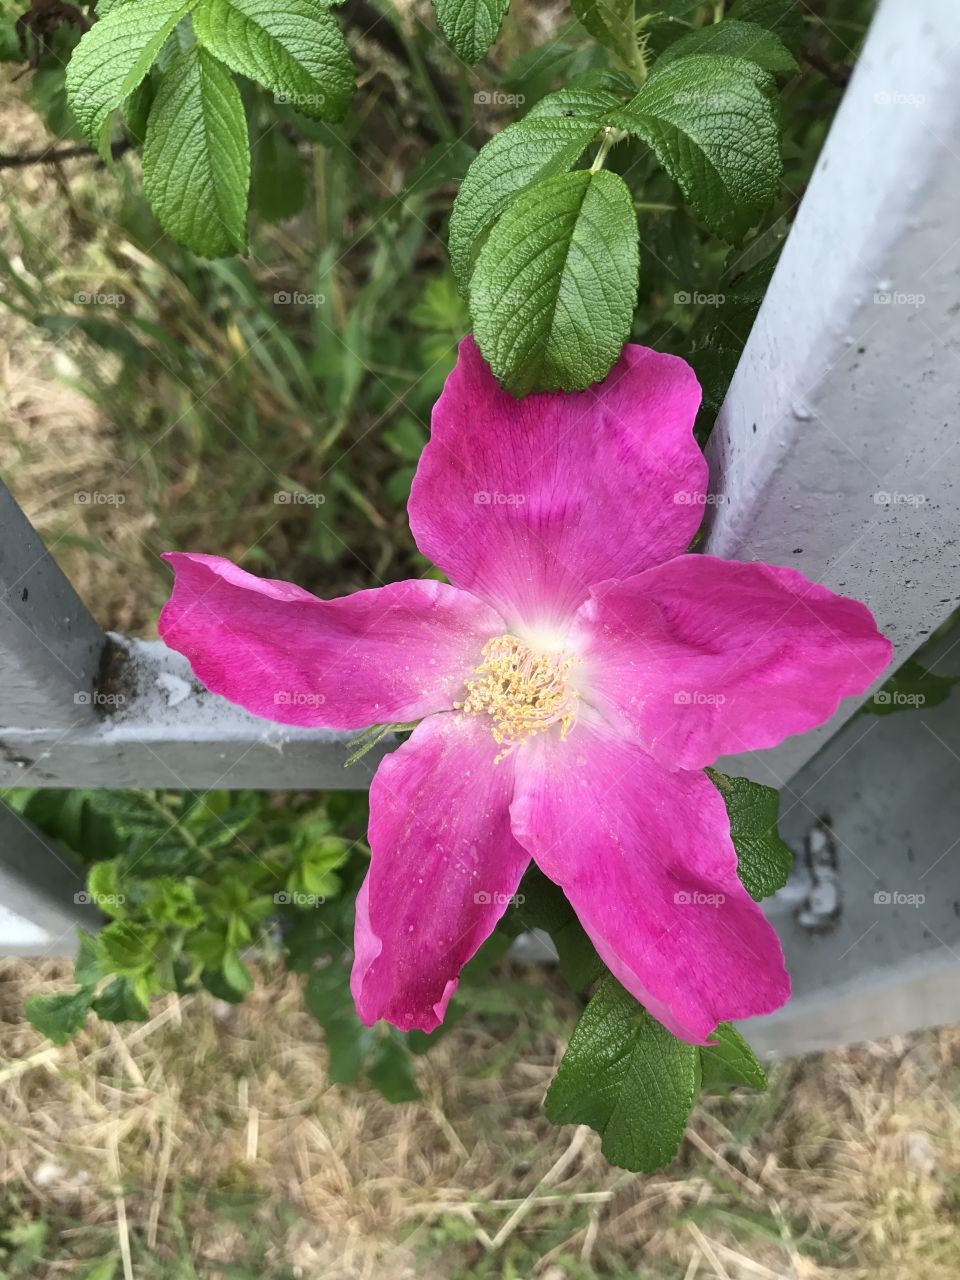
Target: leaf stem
(610,139)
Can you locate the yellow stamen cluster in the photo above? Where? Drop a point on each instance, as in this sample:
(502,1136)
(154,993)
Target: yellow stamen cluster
(524,692)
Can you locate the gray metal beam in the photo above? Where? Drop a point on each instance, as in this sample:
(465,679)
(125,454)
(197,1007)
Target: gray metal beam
(156,726)
(50,646)
(42,892)
(835,451)
(873,945)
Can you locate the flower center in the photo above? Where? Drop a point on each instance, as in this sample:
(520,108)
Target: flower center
(522,690)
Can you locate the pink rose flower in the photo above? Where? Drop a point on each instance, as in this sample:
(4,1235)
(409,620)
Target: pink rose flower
(572,684)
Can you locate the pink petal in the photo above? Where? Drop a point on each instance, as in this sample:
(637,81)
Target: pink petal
(530,503)
(393,654)
(701,656)
(443,866)
(645,858)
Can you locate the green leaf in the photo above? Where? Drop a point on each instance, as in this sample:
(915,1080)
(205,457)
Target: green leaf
(69,816)
(554,288)
(763,860)
(105,1269)
(910,687)
(784,17)
(279,185)
(103,886)
(738,39)
(120,1002)
(627,1077)
(10,50)
(590,100)
(113,57)
(136,109)
(536,70)
(144,828)
(293,47)
(86,969)
(391,1071)
(712,122)
(470,26)
(730,1061)
(126,949)
(327,996)
(543,905)
(235,972)
(173,902)
(59,1017)
(196,161)
(214,982)
(445,162)
(511,161)
(611,22)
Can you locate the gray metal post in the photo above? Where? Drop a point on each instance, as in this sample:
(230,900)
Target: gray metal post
(871,931)
(50,646)
(42,892)
(835,451)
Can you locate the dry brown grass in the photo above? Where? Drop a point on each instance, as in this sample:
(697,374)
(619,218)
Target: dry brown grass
(849,1167)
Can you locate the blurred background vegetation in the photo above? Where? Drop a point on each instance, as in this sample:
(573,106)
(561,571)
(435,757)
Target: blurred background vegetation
(212,1138)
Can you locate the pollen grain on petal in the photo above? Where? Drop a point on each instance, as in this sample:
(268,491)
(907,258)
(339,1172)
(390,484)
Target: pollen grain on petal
(524,692)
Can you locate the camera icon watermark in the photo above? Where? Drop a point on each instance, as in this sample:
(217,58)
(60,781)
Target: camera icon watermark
(695,498)
(95,698)
(94,498)
(298,698)
(885,498)
(698,698)
(897,698)
(295,498)
(896,298)
(486,898)
(84,898)
(694,898)
(293,898)
(895,98)
(83,299)
(694,298)
(300,99)
(286,298)
(494,98)
(894,898)
(486,498)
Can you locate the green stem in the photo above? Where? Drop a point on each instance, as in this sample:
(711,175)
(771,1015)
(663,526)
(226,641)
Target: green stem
(653,206)
(610,139)
(319,156)
(637,71)
(635,58)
